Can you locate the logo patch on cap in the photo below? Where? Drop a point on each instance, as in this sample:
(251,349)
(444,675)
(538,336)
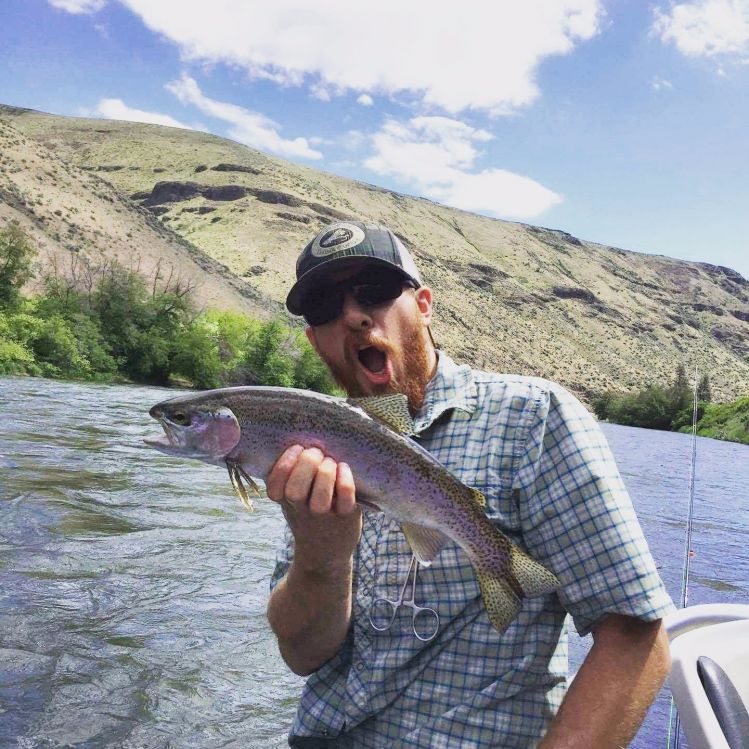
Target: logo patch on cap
(337,238)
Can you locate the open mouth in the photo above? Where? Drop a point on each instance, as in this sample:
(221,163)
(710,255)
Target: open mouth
(374,362)
(372,359)
(168,439)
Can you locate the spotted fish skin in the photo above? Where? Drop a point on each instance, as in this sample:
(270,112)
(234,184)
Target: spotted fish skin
(390,471)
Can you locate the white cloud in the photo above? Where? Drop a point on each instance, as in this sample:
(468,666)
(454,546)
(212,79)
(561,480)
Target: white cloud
(365,100)
(78,6)
(116,109)
(247,127)
(353,140)
(705,28)
(436,156)
(657,83)
(473,54)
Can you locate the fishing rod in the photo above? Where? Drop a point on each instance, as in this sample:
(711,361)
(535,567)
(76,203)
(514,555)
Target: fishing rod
(673,717)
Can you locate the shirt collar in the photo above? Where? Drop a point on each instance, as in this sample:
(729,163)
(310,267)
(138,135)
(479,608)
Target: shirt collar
(451,387)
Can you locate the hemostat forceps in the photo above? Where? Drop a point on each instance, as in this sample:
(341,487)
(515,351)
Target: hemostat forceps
(429,618)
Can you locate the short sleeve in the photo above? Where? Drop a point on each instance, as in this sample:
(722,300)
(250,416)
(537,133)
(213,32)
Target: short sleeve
(577,518)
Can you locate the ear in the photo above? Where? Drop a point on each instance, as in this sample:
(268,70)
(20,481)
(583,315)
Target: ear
(312,338)
(424,302)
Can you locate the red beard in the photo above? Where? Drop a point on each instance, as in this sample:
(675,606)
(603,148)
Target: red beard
(411,369)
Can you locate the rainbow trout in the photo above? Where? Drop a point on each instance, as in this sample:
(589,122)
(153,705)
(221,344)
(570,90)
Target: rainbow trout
(247,428)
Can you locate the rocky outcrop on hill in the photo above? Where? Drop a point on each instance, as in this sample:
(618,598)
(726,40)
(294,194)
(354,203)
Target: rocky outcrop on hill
(71,214)
(177,192)
(235,168)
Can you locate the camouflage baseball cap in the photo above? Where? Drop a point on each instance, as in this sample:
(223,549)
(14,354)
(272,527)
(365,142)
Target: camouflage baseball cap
(347,240)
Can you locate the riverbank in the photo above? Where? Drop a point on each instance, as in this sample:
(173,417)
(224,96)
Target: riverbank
(725,421)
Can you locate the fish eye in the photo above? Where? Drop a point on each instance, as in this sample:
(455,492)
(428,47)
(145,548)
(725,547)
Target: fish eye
(180,418)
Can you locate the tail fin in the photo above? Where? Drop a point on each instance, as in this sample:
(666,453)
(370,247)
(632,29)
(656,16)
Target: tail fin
(502,603)
(532,577)
(503,594)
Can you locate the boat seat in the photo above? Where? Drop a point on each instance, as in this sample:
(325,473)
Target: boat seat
(710,674)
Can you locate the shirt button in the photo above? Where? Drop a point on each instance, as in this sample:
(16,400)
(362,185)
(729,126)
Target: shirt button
(360,666)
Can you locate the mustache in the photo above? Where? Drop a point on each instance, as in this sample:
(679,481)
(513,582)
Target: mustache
(364,339)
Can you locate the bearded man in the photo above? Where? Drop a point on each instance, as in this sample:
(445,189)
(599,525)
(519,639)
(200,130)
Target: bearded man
(551,485)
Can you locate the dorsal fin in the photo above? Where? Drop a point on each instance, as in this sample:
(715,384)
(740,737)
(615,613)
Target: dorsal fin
(391,410)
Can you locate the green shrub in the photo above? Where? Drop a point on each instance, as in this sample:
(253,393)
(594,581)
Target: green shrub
(97,322)
(16,258)
(726,421)
(15,358)
(268,360)
(52,344)
(310,372)
(655,407)
(197,356)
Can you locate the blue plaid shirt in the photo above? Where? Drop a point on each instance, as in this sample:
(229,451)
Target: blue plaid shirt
(552,486)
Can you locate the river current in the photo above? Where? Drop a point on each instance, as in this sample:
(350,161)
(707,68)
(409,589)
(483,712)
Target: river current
(133,585)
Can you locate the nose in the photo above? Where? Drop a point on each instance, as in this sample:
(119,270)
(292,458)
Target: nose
(354,315)
(156,412)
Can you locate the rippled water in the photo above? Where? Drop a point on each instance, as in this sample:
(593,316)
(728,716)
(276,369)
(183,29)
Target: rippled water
(133,585)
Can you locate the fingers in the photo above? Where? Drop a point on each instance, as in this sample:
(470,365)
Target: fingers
(307,476)
(302,476)
(321,496)
(275,482)
(345,491)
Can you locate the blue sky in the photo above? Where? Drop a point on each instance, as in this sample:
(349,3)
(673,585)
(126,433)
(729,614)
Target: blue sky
(624,123)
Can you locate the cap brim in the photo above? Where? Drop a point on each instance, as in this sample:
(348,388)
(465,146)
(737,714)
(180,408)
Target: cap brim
(304,284)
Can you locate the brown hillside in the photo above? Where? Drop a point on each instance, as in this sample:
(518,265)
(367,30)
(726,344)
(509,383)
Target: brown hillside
(70,213)
(510,297)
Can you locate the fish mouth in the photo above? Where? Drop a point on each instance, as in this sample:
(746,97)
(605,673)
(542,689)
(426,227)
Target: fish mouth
(167,442)
(375,363)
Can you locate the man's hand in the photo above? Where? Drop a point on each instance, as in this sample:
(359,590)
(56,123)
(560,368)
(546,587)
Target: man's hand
(319,501)
(310,609)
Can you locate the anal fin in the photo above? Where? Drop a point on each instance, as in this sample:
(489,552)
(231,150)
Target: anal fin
(425,543)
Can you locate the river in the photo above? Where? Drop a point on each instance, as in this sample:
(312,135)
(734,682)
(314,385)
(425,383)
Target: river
(133,585)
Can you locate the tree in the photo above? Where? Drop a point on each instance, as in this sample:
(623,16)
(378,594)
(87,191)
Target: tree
(309,371)
(680,394)
(703,389)
(267,358)
(16,258)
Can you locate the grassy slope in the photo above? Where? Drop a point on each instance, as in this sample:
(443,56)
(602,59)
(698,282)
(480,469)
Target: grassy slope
(510,297)
(70,214)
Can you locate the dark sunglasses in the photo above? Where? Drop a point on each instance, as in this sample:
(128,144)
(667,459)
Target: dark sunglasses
(370,288)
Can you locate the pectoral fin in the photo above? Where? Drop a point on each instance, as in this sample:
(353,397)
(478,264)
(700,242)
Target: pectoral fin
(238,477)
(425,543)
